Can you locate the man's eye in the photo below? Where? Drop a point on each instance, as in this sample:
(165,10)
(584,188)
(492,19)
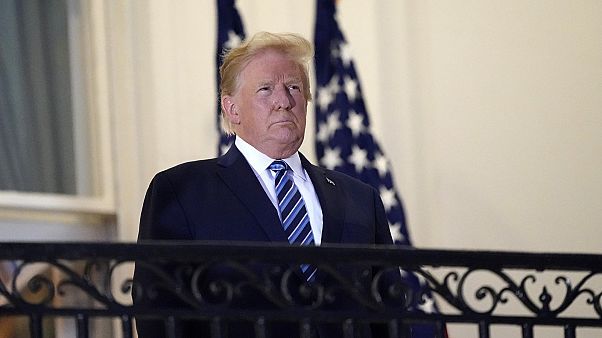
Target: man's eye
(294,87)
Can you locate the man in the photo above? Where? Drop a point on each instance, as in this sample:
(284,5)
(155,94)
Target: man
(244,195)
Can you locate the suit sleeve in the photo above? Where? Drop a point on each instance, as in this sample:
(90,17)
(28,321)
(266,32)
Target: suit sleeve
(162,218)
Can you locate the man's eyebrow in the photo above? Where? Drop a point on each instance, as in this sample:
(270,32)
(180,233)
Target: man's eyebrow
(287,80)
(293,79)
(264,83)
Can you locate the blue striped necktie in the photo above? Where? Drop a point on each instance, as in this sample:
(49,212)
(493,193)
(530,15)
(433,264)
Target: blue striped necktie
(293,213)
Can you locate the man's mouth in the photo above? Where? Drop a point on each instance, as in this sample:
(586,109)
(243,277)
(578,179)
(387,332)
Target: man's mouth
(283,122)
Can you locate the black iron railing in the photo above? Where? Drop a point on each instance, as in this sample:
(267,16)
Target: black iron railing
(206,283)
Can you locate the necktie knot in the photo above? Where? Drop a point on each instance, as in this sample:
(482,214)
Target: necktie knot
(278,165)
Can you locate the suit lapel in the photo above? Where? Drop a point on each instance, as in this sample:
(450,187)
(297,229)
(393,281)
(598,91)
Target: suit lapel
(238,175)
(331,201)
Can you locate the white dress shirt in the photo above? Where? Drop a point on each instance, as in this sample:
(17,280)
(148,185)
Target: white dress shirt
(260,163)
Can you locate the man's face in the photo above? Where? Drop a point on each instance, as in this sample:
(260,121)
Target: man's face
(269,108)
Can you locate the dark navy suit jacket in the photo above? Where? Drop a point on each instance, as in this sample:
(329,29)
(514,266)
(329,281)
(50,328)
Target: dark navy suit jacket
(221,199)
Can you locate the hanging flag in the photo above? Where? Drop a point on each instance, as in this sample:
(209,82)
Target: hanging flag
(230,33)
(344,141)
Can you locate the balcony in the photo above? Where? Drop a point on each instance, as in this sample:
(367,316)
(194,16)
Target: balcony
(87,288)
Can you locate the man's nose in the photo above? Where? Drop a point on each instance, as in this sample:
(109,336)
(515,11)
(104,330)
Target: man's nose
(283,98)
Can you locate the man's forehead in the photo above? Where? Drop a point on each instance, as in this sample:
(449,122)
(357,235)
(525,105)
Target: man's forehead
(269,56)
(267,69)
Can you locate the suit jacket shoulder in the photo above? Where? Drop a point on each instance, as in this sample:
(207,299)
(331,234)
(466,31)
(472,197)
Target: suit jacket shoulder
(215,199)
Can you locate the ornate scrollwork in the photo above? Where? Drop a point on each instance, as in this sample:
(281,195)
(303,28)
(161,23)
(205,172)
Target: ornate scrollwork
(41,288)
(454,290)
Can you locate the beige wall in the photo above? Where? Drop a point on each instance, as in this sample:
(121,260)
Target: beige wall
(508,98)
(489,110)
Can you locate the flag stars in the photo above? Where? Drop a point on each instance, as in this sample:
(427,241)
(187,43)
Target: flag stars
(234,40)
(335,47)
(359,158)
(331,158)
(381,164)
(325,97)
(350,88)
(333,123)
(323,133)
(355,122)
(388,197)
(396,233)
(333,84)
(345,53)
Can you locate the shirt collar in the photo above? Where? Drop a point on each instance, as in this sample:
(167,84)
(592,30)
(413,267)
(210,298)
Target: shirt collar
(260,161)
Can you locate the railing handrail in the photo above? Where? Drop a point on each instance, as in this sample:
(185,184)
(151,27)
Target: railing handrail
(386,254)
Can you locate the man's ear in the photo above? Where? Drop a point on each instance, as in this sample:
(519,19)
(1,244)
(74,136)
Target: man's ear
(230,109)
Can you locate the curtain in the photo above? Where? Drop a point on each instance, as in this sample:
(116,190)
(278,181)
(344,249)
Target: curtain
(36,123)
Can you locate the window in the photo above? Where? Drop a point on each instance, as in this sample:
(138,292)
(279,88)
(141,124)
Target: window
(53,140)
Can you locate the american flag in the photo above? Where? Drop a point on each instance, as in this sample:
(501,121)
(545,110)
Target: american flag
(230,33)
(344,141)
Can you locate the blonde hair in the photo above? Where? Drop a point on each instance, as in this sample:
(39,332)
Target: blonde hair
(236,59)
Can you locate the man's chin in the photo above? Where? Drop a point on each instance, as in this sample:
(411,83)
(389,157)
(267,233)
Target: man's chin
(288,143)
